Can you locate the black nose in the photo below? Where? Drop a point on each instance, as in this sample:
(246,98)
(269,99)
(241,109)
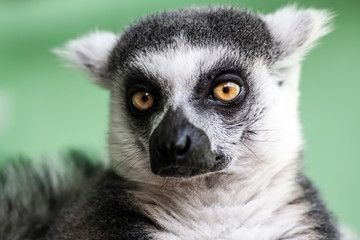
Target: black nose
(174,148)
(179,149)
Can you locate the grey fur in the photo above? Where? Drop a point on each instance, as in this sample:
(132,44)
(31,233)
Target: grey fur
(177,57)
(215,26)
(31,196)
(103,212)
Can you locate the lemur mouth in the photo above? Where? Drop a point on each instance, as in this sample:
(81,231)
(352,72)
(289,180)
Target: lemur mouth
(181,172)
(186,171)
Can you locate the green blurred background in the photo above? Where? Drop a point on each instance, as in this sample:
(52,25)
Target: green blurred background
(46,108)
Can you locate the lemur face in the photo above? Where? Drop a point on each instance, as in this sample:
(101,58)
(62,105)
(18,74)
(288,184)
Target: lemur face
(189,113)
(199,91)
(193,109)
(191,98)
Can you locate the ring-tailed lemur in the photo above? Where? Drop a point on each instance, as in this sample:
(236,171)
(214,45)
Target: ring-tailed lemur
(204,139)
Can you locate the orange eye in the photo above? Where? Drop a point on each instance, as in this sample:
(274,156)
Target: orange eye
(227,91)
(142,100)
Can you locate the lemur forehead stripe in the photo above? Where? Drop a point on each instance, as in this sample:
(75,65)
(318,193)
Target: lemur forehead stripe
(191,65)
(221,26)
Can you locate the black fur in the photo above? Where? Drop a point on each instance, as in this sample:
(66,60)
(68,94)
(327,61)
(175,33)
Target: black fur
(90,203)
(230,27)
(104,212)
(31,196)
(138,81)
(326,226)
(203,98)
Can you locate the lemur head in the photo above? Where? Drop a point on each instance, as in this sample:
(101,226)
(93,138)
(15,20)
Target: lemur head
(202,90)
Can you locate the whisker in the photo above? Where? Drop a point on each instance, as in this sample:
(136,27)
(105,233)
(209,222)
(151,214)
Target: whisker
(251,151)
(262,130)
(165,182)
(259,140)
(134,155)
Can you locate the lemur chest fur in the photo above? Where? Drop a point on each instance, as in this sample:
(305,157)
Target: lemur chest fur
(235,211)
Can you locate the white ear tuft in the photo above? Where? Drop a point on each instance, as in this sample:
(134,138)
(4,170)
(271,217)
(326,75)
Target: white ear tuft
(295,31)
(91,54)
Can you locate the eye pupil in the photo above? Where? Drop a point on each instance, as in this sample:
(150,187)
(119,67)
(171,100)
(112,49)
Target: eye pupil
(226,90)
(145,98)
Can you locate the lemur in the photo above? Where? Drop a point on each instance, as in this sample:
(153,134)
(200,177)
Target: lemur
(204,138)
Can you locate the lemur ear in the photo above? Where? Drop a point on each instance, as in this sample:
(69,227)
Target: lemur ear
(91,53)
(295,31)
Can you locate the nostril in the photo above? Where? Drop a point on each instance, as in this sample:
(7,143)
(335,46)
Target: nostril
(174,148)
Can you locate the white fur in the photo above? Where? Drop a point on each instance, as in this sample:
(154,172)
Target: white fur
(297,30)
(348,234)
(226,212)
(188,210)
(91,53)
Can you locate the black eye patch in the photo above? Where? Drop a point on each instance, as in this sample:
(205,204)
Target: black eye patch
(226,70)
(135,83)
